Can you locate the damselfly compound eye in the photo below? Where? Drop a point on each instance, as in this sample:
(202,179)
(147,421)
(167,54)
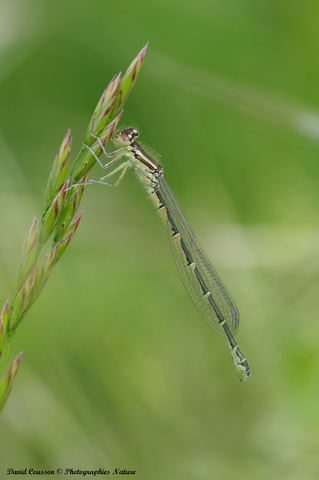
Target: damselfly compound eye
(132,132)
(125,136)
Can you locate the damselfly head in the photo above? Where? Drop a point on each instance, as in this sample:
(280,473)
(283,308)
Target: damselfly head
(125,137)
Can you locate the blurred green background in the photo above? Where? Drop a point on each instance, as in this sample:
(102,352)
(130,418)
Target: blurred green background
(119,370)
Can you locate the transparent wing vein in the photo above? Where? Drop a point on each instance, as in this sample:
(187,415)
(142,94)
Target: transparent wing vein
(221,297)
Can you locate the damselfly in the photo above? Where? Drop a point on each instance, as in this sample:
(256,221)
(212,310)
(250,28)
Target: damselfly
(199,277)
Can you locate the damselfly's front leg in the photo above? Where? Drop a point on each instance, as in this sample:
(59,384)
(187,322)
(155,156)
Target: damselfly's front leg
(114,156)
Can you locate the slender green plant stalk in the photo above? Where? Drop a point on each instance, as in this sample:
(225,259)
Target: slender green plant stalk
(59,219)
